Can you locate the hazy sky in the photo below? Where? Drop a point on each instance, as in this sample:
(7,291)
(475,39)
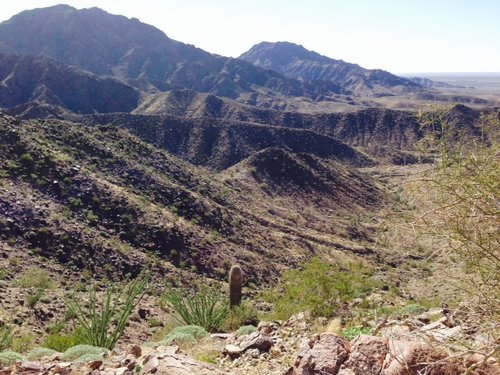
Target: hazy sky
(396,35)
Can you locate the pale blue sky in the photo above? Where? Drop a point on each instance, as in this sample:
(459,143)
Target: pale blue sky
(396,35)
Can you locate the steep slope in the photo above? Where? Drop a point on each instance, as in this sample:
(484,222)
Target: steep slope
(303,175)
(219,144)
(295,61)
(378,131)
(99,199)
(143,55)
(40,80)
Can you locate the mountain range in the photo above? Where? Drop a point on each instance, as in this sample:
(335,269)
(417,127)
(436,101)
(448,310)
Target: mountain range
(187,145)
(143,57)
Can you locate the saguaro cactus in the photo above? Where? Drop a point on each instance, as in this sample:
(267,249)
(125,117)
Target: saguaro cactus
(235,282)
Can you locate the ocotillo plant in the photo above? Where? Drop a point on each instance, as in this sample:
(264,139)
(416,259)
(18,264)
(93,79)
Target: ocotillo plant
(235,282)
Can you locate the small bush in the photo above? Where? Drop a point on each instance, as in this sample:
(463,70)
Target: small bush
(185,334)
(412,309)
(26,160)
(92,218)
(78,351)
(353,332)
(168,326)
(75,202)
(103,325)
(60,343)
(6,336)
(9,358)
(37,281)
(35,278)
(206,307)
(245,330)
(154,322)
(38,353)
(244,314)
(23,342)
(320,288)
(33,296)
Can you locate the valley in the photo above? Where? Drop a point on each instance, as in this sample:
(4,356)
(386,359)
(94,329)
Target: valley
(148,170)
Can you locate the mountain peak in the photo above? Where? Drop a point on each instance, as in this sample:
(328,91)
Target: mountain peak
(295,61)
(277,53)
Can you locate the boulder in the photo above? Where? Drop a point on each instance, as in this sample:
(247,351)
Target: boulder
(367,355)
(31,368)
(256,340)
(177,364)
(323,354)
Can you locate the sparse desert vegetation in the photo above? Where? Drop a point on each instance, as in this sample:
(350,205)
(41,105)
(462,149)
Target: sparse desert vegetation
(166,210)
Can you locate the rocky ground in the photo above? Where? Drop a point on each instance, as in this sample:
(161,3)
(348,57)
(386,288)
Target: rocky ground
(439,341)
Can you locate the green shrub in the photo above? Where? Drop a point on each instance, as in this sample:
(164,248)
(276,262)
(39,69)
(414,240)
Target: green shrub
(37,281)
(23,342)
(6,336)
(26,160)
(206,307)
(9,358)
(154,322)
(75,202)
(102,324)
(33,296)
(461,196)
(319,287)
(353,332)
(4,274)
(245,330)
(244,314)
(35,278)
(183,334)
(91,217)
(60,343)
(38,353)
(412,309)
(78,351)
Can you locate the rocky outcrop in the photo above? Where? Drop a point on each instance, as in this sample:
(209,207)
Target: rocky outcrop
(327,354)
(323,354)
(257,340)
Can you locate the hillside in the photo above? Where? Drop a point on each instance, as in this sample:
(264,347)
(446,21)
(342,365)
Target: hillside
(219,144)
(295,61)
(102,192)
(43,81)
